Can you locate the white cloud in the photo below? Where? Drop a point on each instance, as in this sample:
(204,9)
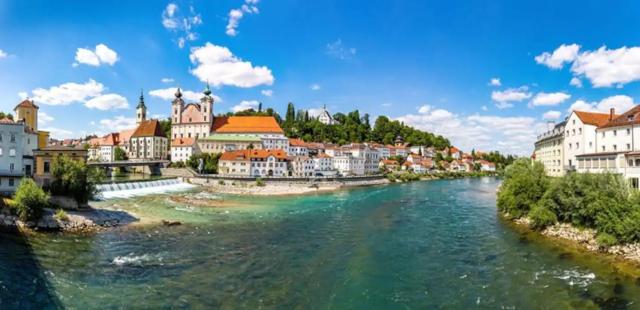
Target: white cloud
(59,133)
(602,67)
(67,93)
(557,59)
(495,82)
(3,54)
(551,115)
(576,82)
(314,87)
(504,99)
(484,108)
(182,25)
(514,135)
(107,102)
(101,55)
(166,80)
(386,104)
(44,118)
(547,99)
(620,103)
(235,15)
(169,94)
(216,64)
(245,105)
(338,50)
(267,92)
(117,123)
(23,95)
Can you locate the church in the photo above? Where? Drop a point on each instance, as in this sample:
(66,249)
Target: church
(221,133)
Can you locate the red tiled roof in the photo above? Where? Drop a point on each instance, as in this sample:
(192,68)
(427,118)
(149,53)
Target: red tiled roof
(627,118)
(296,142)
(182,142)
(26,104)
(245,124)
(323,155)
(150,128)
(592,118)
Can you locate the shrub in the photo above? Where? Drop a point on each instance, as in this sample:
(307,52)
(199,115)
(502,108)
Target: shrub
(61,215)
(30,200)
(260,182)
(606,239)
(525,182)
(221,182)
(74,178)
(541,217)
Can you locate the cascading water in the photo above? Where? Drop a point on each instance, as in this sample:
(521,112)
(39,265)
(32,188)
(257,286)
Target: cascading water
(140,188)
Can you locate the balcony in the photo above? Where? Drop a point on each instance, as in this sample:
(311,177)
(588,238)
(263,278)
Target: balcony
(569,168)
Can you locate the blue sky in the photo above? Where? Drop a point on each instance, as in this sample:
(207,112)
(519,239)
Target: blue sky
(428,63)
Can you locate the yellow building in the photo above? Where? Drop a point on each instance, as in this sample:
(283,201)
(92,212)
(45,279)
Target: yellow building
(27,111)
(44,158)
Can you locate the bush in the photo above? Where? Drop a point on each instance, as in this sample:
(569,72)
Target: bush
(525,182)
(260,182)
(61,215)
(606,239)
(221,182)
(210,162)
(541,217)
(74,178)
(30,200)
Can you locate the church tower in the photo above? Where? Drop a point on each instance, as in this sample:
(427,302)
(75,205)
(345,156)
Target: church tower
(141,110)
(207,105)
(27,111)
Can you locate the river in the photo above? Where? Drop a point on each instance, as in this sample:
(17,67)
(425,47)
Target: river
(434,244)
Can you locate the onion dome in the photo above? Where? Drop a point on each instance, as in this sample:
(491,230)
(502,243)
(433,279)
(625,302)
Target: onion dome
(207,91)
(178,93)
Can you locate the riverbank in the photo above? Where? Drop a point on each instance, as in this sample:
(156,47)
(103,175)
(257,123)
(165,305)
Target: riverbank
(91,219)
(585,239)
(280,188)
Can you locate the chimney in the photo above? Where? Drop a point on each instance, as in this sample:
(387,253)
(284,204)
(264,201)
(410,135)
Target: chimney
(611,112)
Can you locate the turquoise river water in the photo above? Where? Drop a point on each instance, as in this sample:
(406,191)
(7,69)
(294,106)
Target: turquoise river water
(435,244)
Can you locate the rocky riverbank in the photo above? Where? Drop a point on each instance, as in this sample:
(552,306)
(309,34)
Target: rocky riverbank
(74,221)
(586,238)
(279,188)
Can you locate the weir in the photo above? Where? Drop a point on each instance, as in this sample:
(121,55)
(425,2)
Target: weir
(140,188)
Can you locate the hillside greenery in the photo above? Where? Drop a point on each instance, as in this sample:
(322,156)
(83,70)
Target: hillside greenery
(603,202)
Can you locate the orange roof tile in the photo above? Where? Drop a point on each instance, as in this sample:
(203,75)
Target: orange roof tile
(150,128)
(125,135)
(182,142)
(592,118)
(627,118)
(246,124)
(26,104)
(296,142)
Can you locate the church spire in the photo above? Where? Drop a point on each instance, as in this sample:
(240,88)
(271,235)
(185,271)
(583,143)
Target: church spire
(207,90)
(178,93)
(141,102)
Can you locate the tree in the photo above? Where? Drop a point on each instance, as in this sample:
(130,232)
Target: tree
(525,182)
(74,178)
(210,162)
(165,124)
(119,154)
(30,200)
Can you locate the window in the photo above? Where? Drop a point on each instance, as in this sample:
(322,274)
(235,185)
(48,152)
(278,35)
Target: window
(574,121)
(569,145)
(13,137)
(628,146)
(603,134)
(573,132)
(12,152)
(615,133)
(579,131)
(603,148)
(12,166)
(615,147)
(628,131)
(590,144)
(46,167)
(11,182)
(577,145)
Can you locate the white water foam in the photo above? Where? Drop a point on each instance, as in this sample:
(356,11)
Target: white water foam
(575,277)
(136,260)
(132,189)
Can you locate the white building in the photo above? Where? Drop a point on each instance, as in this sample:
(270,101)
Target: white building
(580,135)
(301,166)
(17,143)
(349,165)
(323,164)
(549,150)
(148,141)
(325,117)
(298,147)
(254,163)
(183,148)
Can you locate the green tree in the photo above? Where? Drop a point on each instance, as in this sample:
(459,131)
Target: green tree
(119,154)
(165,124)
(30,200)
(74,178)
(525,182)
(210,162)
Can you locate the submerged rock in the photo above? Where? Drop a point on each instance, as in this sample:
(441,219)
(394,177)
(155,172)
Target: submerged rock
(171,223)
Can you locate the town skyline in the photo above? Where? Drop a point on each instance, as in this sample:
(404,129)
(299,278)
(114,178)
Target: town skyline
(498,97)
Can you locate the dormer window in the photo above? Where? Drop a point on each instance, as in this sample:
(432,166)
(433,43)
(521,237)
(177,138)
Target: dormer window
(630,117)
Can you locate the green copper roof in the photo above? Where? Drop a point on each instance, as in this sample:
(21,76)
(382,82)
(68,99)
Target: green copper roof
(231,137)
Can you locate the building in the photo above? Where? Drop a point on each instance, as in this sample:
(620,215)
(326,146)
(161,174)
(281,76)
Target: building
(183,148)
(104,148)
(44,158)
(264,128)
(220,143)
(192,120)
(17,142)
(580,135)
(348,165)
(301,166)
(549,149)
(27,112)
(325,117)
(148,141)
(297,147)
(254,163)
(486,166)
(323,165)
(389,165)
